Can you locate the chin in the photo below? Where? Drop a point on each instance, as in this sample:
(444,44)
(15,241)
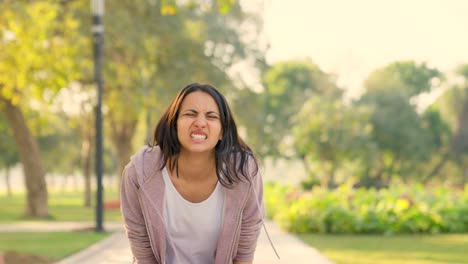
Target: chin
(199,149)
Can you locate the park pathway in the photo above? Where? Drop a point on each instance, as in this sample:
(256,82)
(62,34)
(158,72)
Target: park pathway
(115,248)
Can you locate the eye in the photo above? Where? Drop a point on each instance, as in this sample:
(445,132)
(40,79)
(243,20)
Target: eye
(190,114)
(212,117)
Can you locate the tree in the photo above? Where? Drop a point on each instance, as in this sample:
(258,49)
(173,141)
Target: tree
(35,62)
(8,153)
(60,151)
(402,138)
(268,115)
(328,133)
(73,108)
(455,104)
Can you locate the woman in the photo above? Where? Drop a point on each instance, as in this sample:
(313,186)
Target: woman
(195,196)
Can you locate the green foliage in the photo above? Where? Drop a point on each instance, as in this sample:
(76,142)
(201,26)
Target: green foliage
(37,59)
(408,77)
(404,138)
(60,147)
(154,55)
(327,132)
(397,126)
(450,105)
(387,211)
(269,114)
(439,129)
(8,152)
(453,108)
(462,70)
(277,198)
(37,56)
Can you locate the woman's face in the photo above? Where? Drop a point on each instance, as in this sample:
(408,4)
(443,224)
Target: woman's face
(198,123)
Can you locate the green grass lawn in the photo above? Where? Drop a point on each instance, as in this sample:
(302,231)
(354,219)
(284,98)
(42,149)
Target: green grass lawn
(54,245)
(401,249)
(63,206)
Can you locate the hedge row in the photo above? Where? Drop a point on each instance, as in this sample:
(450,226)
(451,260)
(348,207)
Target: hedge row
(387,211)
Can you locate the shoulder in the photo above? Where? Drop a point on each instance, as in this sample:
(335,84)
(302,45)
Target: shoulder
(251,164)
(146,162)
(246,165)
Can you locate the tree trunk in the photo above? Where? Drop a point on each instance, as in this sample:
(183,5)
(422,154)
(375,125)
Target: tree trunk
(307,170)
(124,150)
(438,167)
(324,181)
(149,128)
(379,178)
(28,150)
(86,166)
(122,135)
(7,181)
(460,140)
(87,134)
(331,176)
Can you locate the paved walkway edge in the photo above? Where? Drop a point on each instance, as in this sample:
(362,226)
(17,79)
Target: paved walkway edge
(84,255)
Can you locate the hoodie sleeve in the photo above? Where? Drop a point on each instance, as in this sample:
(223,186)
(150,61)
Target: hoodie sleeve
(133,217)
(252,218)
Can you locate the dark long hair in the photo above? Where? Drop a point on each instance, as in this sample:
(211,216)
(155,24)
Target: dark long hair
(232,154)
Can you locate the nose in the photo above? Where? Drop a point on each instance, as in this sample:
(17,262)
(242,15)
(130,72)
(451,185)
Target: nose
(200,121)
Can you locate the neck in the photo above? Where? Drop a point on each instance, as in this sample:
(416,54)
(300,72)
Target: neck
(196,166)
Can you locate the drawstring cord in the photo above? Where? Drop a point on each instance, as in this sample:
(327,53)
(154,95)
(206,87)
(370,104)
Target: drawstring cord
(263,219)
(269,239)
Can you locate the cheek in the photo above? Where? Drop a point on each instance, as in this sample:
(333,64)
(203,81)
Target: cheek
(180,125)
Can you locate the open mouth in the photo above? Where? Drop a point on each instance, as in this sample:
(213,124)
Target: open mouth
(198,136)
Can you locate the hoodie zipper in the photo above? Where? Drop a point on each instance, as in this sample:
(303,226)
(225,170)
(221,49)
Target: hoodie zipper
(238,228)
(229,258)
(148,227)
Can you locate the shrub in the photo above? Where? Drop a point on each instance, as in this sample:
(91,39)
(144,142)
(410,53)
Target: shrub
(399,209)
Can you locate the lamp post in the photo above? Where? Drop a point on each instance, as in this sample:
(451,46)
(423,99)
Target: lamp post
(97,8)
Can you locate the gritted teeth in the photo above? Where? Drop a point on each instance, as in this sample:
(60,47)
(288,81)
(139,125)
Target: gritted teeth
(198,136)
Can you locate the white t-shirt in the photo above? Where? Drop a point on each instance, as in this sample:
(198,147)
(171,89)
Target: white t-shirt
(193,228)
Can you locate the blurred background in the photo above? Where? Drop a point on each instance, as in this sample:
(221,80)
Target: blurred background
(358,111)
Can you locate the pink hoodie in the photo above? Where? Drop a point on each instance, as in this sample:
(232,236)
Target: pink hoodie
(142,201)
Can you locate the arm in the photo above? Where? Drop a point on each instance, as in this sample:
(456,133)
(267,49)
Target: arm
(252,218)
(133,218)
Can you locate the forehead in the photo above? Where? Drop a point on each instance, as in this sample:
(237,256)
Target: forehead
(199,101)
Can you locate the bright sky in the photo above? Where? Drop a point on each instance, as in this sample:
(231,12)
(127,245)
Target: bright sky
(351,38)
